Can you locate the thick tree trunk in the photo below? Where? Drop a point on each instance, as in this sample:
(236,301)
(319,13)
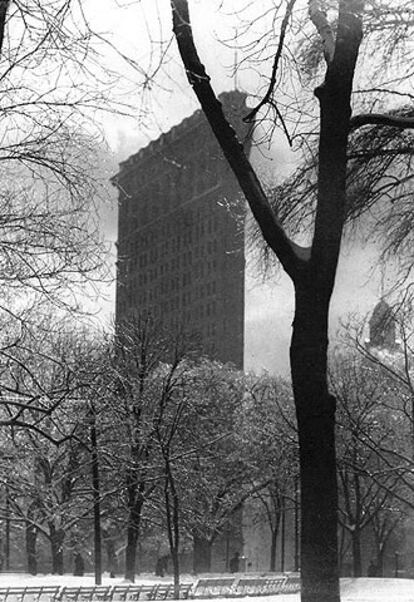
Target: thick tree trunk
(315,410)
(57,537)
(111,558)
(132,541)
(173,526)
(273,543)
(356,553)
(201,554)
(131,553)
(31,537)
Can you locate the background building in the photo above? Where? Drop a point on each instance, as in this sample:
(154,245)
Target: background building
(180,244)
(181,248)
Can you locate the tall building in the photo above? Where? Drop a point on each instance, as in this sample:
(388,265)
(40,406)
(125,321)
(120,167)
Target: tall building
(180,247)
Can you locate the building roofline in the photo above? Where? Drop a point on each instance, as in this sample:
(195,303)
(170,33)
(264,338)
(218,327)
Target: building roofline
(170,137)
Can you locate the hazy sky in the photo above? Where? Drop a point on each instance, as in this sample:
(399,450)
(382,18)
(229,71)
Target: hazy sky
(141,30)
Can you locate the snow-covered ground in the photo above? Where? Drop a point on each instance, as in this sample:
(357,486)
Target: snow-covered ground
(353,590)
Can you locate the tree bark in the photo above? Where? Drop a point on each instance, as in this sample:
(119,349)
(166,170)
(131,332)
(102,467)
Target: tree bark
(173,525)
(273,543)
(31,538)
(315,410)
(96,500)
(201,554)
(111,558)
(356,553)
(132,541)
(57,537)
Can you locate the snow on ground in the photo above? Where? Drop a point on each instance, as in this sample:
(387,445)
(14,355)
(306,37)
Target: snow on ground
(352,590)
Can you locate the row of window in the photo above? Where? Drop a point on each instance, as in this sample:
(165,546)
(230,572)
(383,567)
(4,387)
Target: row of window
(199,262)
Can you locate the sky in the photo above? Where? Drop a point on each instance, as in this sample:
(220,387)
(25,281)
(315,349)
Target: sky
(142,31)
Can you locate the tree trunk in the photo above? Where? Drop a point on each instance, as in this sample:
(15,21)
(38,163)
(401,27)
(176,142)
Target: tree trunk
(57,537)
(31,537)
(273,543)
(315,410)
(112,562)
(201,554)
(380,560)
(96,501)
(173,526)
(132,541)
(356,553)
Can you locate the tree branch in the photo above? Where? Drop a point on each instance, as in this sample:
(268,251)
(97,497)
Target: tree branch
(318,17)
(287,252)
(4,5)
(358,121)
(267,97)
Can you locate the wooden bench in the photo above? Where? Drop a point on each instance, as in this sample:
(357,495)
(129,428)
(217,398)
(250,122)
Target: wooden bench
(249,586)
(210,588)
(185,590)
(259,586)
(165,591)
(119,592)
(275,585)
(35,593)
(84,594)
(162,591)
(49,591)
(292,584)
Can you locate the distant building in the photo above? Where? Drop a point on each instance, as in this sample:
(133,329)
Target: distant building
(382,331)
(180,248)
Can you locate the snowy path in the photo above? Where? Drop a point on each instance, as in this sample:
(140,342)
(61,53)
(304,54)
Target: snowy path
(353,590)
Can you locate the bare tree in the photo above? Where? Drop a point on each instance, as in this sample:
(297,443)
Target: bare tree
(368,420)
(138,403)
(269,437)
(54,90)
(312,269)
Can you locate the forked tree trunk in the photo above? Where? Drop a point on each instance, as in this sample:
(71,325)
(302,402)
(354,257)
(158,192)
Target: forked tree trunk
(315,410)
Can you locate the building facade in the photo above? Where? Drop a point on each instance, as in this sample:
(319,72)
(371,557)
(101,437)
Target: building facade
(180,242)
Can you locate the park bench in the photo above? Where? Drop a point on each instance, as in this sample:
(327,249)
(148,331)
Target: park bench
(162,591)
(211,588)
(165,591)
(119,592)
(185,590)
(143,592)
(249,586)
(28,593)
(274,585)
(83,593)
(292,584)
(259,586)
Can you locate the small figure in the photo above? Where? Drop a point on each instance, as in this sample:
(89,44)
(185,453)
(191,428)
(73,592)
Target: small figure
(234,563)
(79,568)
(161,566)
(372,569)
